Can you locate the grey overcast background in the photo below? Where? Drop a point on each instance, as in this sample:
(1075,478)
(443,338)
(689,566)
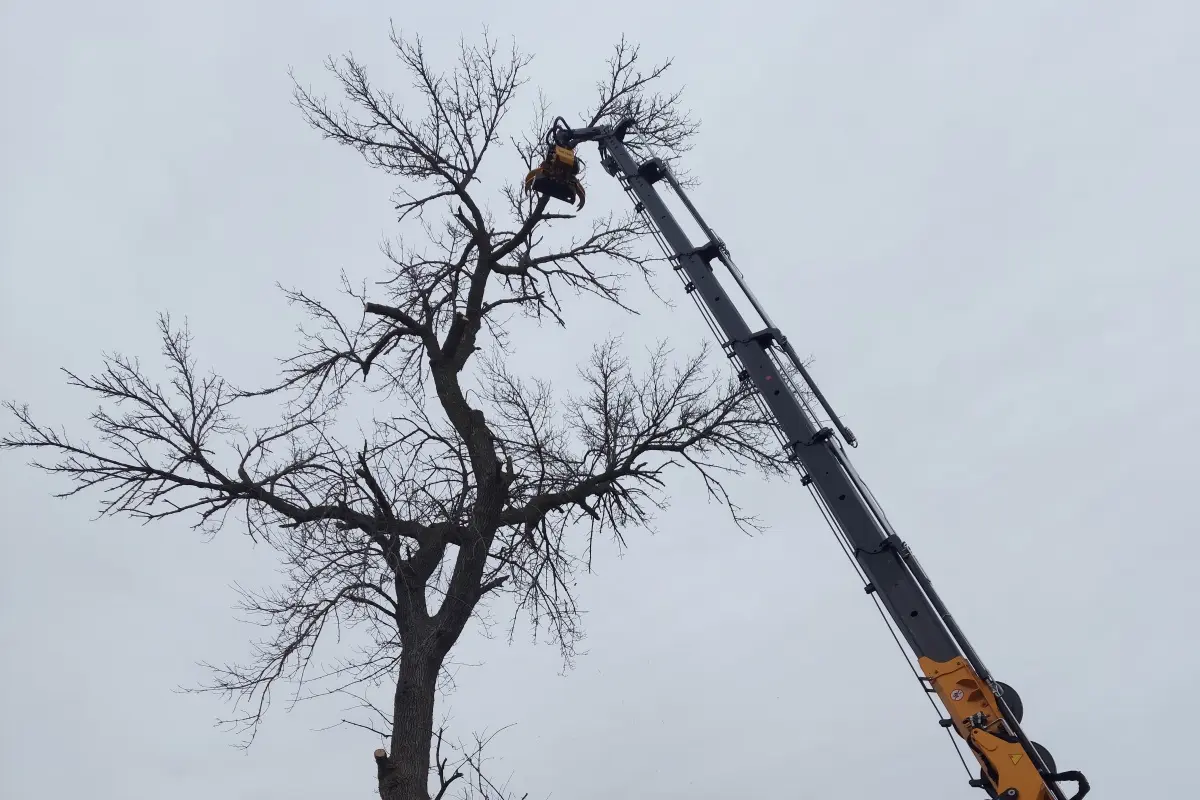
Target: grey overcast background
(974,216)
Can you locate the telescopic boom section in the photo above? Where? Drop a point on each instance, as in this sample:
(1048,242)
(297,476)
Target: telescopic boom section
(985,713)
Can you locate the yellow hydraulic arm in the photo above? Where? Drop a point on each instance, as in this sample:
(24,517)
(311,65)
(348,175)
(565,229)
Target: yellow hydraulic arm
(985,713)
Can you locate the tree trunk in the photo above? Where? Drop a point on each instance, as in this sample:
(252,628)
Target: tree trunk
(404,774)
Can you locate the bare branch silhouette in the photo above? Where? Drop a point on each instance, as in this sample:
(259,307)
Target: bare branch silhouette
(467,485)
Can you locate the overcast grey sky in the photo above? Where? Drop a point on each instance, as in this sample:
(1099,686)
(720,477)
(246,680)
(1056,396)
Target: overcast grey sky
(973,216)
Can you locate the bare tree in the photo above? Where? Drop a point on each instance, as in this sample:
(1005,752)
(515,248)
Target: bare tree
(441,503)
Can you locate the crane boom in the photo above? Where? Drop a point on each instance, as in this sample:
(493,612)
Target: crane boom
(986,714)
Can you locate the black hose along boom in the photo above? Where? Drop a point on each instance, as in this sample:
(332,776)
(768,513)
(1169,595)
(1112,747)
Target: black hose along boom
(983,712)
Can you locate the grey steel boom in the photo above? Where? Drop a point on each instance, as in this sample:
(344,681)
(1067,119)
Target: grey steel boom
(985,713)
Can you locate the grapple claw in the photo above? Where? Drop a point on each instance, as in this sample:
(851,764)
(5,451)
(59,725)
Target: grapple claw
(557,176)
(531,178)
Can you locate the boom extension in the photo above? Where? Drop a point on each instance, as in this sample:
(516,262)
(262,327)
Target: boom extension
(986,714)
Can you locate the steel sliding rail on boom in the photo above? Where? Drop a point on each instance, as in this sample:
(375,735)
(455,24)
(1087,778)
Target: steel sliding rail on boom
(985,713)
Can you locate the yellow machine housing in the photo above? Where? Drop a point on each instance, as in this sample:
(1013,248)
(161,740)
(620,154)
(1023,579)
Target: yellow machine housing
(558,176)
(977,718)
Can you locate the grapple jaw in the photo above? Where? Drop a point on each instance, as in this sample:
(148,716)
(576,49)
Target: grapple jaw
(558,176)
(566,191)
